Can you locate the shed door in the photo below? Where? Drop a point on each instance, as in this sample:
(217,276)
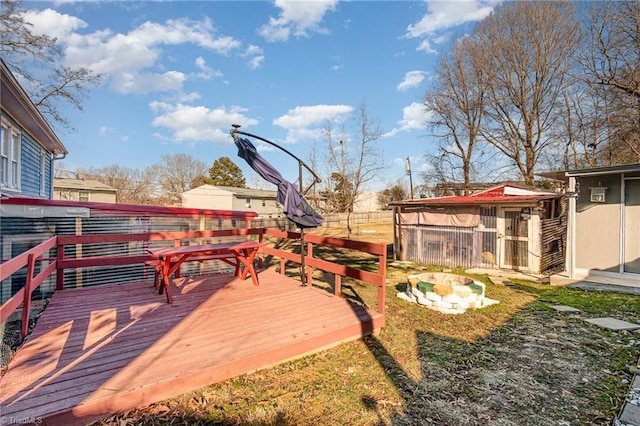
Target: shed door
(515,240)
(632,226)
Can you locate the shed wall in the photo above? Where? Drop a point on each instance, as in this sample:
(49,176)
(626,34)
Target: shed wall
(598,225)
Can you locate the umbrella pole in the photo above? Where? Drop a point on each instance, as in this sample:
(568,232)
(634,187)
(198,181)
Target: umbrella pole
(303,275)
(235,130)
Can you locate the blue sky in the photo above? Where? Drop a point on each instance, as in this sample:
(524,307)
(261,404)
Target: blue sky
(177,74)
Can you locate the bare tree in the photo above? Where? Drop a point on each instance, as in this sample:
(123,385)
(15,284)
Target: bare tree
(395,193)
(580,130)
(525,49)
(175,173)
(611,63)
(354,161)
(132,186)
(38,59)
(456,105)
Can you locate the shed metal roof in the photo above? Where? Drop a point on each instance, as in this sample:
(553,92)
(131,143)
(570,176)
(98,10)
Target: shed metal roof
(620,168)
(501,194)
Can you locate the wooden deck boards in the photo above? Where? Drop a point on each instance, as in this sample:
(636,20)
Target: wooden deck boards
(101,350)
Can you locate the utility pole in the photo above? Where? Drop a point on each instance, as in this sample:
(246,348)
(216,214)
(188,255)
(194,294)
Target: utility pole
(410,177)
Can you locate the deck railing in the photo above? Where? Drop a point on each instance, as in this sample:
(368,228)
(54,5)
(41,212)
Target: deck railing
(77,252)
(312,242)
(23,296)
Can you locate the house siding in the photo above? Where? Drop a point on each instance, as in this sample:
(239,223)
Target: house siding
(48,176)
(36,136)
(208,198)
(211,197)
(30,169)
(94,195)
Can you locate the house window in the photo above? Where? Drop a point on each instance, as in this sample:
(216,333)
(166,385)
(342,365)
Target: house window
(248,203)
(83,196)
(9,157)
(264,203)
(43,164)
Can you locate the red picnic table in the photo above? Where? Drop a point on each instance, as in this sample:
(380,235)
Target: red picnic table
(237,254)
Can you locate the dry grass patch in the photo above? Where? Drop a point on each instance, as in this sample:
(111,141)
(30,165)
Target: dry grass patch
(518,362)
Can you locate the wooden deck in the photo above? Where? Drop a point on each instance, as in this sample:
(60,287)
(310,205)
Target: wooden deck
(103,350)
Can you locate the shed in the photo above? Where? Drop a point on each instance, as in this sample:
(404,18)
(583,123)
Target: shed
(604,218)
(508,226)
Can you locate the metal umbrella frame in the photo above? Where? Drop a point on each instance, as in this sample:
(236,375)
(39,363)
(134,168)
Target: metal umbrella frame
(302,191)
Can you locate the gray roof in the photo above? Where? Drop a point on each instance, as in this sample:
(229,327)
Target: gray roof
(621,168)
(81,184)
(247,192)
(17,105)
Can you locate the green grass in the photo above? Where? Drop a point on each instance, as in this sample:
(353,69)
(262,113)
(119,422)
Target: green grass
(517,362)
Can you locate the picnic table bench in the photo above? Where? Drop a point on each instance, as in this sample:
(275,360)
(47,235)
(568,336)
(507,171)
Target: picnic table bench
(167,260)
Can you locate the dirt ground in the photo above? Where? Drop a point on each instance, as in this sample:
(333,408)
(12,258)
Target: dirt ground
(372,232)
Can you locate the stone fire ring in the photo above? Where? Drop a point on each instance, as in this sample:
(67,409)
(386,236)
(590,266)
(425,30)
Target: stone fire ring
(447,293)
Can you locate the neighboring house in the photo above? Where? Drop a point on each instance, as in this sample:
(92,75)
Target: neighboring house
(366,202)
(508,226)
(604,223)
(28,145)
(83,190)
(230,198)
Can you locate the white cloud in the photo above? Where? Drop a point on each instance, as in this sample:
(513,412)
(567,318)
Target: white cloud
(337,63)
(198,123)
(104,130)
(187,97)
(414,117)
(133,82)
(444,15)
(425,46)
(179,31)
(128,59)
(297,18)
(305,116)
(255,54)
(52,23)
(302,122)
(206,72)
(411,79)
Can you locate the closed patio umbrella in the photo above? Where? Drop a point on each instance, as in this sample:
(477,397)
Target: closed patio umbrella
(294,205)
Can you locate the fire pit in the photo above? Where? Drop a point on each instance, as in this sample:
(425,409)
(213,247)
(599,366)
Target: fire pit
(448,293)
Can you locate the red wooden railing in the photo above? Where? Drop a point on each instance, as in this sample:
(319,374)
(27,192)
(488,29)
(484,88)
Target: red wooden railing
(62,262)
(23,296)
(376,278)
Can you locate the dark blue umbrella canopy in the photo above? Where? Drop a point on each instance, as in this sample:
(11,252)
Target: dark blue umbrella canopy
(295,206)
